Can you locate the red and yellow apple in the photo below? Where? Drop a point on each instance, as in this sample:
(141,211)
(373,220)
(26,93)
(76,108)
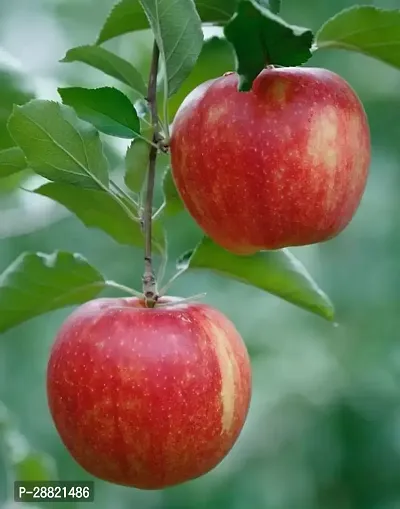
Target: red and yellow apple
(146,397)
(284,164)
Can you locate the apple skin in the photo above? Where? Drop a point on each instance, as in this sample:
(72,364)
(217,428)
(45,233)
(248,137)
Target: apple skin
(148,398)
(285,164)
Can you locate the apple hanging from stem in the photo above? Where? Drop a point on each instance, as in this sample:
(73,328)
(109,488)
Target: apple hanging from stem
(285,164)
(148,397)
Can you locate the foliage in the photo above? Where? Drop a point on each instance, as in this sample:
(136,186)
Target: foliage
(59,147)
(66,143)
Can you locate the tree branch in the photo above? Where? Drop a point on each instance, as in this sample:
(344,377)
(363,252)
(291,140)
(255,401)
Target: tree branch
(149,280)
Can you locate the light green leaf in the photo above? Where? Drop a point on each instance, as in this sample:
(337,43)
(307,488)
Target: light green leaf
(137,162)
(12,160)
(364,29)
(107,108)
(260,38)
(57,145)
(109,63)
(173,202)
(216,58)
(177,30)
(276,272)
(36,283)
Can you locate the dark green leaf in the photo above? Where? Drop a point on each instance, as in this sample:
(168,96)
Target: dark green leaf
(216,58)
(364,29)
(97,209)
(177,30)
(107,108)
(260,38)
(57,145)
(136,163)
(108,63)
(173,202)
(276,272)
(36,283)
(12,160)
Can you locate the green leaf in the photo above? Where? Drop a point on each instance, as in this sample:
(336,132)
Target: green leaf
(126,16)
(176,26)
(364,29)
(136,163)
(276,272)
(12,160)
(97,209)
(36,283)
(177,30)
(57,145)
(109,63)
(173,203)
(107,108)
(216,58)
(260,38)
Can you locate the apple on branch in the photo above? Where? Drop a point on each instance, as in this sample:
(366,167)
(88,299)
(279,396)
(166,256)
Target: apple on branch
(285,164)
(148,397)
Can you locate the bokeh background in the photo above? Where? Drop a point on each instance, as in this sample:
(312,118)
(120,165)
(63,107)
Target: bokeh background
(324,426)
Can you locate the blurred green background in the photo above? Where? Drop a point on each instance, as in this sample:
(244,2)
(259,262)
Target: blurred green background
(324,426)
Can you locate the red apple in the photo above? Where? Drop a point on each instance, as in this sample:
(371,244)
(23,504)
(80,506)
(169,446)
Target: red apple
(285,164)
(148,397)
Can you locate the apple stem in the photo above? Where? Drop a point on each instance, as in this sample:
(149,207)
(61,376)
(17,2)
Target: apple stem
(149,280)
